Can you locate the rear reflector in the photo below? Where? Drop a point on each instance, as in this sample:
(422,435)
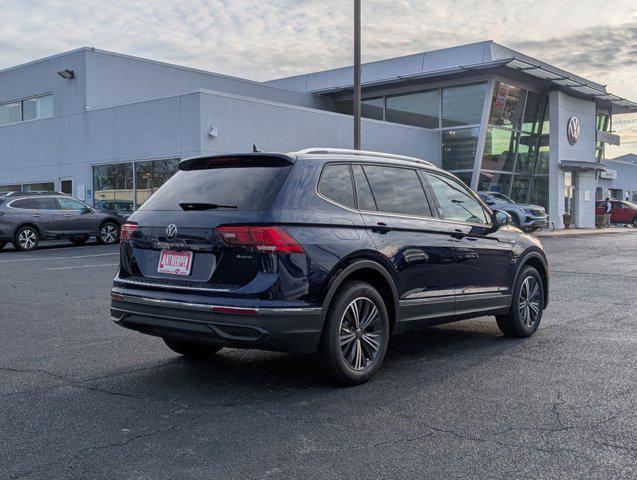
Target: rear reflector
(237,310)
(265,239)
(127,231)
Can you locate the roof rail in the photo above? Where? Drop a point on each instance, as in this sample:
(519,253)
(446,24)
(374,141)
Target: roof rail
(346,151)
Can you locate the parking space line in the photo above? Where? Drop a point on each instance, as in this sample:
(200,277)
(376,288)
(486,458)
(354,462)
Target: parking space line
(83,266)
(41,259)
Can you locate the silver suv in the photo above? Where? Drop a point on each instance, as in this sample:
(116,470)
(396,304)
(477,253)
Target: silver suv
(529,218)
(28,217)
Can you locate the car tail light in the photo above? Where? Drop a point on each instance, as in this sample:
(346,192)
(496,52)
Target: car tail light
(127,231)
(265,239)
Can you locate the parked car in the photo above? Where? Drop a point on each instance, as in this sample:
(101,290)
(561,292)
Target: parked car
(323,250)
(621,211)
(529,218)
(124,208)
(28,217)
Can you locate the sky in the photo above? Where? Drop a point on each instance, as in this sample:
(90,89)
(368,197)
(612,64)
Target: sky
(261,40)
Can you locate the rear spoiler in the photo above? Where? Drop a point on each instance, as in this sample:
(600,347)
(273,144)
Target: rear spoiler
(239,160)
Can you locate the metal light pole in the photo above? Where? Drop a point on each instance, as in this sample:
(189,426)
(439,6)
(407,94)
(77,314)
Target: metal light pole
(357,74)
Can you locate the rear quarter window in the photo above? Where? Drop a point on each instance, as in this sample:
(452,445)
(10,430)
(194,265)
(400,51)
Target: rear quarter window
(336,184)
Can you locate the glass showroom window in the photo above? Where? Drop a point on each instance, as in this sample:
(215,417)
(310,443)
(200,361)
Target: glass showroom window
(539,194)
(420,109)
(459,148)
(463,105)
(507,106)
(499,149)
(38,107)
(370,107)
(536,114)
(113,187)
(495,182)
(10,113)
(151,175)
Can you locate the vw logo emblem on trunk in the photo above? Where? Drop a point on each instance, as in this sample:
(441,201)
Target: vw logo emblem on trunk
(572,130)
(171,231)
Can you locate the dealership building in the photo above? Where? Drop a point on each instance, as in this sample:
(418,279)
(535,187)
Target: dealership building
(111,128)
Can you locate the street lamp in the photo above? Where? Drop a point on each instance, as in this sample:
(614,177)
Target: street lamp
(357,74)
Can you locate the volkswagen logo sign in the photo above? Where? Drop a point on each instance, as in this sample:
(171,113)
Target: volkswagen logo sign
(572,130)
(171,231)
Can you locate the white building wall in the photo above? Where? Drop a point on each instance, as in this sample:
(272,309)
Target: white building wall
(561,108)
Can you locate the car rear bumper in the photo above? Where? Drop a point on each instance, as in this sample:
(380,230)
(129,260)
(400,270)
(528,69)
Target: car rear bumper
(280,328)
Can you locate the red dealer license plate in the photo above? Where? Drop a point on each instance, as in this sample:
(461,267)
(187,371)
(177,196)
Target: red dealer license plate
(175,263)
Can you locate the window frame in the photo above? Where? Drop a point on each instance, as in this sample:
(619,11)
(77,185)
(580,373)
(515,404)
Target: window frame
(59,204)
(351,177)
(393,214)
(472,194)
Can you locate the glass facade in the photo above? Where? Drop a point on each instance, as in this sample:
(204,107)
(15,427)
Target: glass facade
(463,105)
(421,109)
(459,148)
(124,187)
(515,156)
(515,160)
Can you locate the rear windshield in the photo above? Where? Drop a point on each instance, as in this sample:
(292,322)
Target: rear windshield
(243,185)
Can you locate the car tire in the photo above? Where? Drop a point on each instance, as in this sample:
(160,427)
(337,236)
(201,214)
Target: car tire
(527,305)
(26,238)
(79,240)
(108,233)
(190,349)
(635,222)
(355,334)
(2,244)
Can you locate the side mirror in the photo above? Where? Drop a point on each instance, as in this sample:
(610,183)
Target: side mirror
(499,219)
(85,211)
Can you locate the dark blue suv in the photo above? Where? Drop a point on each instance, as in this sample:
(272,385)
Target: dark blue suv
(323,250)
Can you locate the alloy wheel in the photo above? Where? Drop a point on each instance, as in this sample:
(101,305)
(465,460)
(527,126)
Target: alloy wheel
(27,239)
(360,333)
(108,234)
(529,301)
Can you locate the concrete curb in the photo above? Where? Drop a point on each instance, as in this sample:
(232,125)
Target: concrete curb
(584,232)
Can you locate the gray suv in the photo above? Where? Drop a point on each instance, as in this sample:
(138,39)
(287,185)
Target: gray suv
(525,216)
(28,217)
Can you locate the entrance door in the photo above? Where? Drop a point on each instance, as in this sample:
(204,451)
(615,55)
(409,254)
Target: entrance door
(66,186)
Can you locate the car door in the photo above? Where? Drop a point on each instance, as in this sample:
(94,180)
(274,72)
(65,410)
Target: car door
(78,218)
(399,217)
(621,213)
(483,273)
(46,215)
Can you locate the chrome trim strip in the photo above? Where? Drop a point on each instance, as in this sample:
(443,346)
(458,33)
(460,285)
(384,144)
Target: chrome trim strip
(208,308)
(427,301)
(163,286)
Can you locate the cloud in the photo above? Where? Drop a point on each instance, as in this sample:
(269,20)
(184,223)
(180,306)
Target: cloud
(260,40)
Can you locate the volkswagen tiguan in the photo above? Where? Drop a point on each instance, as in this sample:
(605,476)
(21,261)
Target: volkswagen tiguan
(323,250)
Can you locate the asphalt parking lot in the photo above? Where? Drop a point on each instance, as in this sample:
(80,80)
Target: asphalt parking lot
(83,398)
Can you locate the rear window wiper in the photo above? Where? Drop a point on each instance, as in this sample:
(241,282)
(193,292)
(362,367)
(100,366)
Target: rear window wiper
(203,206)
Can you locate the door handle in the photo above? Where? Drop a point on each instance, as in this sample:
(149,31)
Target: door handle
(67,214)
(35,215)
(382,227)
(459,234)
